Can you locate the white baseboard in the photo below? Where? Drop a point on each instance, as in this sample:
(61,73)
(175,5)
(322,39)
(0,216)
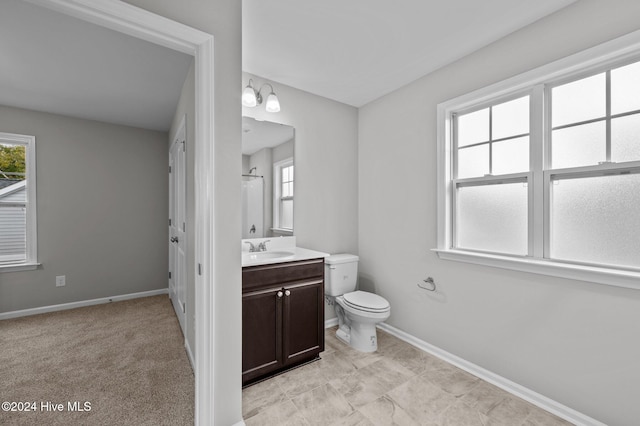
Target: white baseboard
(73,305)
(535,398)
(240,423)
(331,322)
(190,355)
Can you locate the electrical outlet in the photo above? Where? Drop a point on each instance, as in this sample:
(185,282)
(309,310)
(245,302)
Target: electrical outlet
(61,280)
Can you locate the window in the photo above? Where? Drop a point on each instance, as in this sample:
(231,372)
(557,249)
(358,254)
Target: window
(283,195)
(17,202)
(491,183)
(542,172)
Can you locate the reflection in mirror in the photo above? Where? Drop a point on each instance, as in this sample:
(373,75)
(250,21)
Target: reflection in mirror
(267,179)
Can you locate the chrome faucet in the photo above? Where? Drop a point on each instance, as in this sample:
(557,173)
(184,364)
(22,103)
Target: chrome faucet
(263,245)
(252,248)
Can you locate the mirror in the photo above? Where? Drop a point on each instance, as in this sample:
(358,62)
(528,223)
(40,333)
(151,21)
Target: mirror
(267,179)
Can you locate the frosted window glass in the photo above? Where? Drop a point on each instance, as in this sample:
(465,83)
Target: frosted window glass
(625,88)
(286,214)
(583,145)
(579,100)
(473,128)
(510,118)
(596,220)
(285,174)
(493,218)
(510,156)
(625,138)
(473,162)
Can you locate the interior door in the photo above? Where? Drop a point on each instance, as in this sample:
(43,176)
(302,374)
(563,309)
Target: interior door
(178,225)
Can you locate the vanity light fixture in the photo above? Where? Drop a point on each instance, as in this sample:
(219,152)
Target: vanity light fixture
(251,97)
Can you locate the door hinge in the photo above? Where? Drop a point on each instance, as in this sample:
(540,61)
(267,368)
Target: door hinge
(169,169)
(199,269)
(169,274)
(184,146)
(184,227)
(184,309)
(169,222)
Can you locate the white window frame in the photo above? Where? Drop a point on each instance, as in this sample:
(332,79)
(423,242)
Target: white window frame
(277,194)
(524,177)
(614,53)
(31,261)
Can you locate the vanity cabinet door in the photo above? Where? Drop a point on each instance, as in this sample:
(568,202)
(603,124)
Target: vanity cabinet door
(303,321)
(261,332)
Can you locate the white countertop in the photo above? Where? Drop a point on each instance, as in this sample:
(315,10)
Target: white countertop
(290,254)
(279,250)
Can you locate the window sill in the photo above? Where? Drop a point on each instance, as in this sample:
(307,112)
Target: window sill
(599,275)
(17,267)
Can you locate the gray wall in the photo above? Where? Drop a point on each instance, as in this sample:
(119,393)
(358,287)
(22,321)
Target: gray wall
(326,168)
(102,208)
(574,342)
(222,19)
(283,151)
(187,107)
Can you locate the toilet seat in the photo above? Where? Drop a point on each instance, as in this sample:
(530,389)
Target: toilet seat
(365,301)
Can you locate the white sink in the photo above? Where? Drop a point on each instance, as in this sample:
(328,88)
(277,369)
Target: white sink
(266,255)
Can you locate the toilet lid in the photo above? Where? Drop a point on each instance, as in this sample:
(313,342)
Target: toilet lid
(366,301)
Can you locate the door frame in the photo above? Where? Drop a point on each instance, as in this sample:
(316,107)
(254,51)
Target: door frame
(136,22)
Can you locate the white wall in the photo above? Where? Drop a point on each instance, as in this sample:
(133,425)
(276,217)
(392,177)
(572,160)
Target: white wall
(102,197)
(326,167)
(263,162)
(222,19)
(283,151)
(574,342)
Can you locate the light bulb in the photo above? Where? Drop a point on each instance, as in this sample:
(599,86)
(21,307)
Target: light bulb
(272,103)
(249,97)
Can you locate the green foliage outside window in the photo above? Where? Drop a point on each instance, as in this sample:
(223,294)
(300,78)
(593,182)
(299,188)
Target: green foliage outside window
(12,162)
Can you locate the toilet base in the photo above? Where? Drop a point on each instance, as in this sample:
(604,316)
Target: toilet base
(364,337)
(361,337)
(343,335)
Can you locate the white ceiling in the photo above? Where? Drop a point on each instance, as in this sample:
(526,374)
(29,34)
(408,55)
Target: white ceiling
(355,51)
(55,63)
(351,51)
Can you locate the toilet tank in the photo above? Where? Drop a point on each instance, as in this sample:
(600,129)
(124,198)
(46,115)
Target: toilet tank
(340,274)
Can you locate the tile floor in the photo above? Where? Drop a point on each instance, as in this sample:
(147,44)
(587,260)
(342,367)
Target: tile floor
(397,385)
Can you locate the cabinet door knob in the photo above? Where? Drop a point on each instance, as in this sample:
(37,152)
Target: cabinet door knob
(279,294)
(287,293)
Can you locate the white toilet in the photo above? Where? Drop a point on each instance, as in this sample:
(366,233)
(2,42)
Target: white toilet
(358,311)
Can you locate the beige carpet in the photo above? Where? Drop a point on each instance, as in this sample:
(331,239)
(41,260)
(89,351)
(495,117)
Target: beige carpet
(127,359)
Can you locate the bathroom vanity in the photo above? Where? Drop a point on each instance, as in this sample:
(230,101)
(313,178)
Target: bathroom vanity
(282,313)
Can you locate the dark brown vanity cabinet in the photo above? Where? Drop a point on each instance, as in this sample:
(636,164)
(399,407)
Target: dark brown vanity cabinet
(282,316)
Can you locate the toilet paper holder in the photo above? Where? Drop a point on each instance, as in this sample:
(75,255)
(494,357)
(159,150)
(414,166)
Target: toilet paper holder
(430,284)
